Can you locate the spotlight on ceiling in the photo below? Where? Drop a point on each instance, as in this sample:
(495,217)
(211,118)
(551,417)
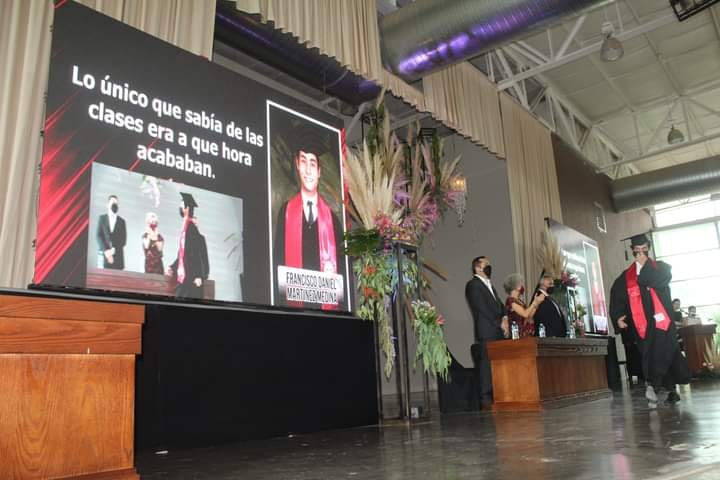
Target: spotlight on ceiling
(675,136)
(612,48)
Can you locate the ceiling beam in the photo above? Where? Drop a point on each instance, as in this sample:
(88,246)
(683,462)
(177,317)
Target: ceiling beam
(508,72)
(570,36)
(552,91)
(559,60)
(648,155)
(656,51)
(650,105)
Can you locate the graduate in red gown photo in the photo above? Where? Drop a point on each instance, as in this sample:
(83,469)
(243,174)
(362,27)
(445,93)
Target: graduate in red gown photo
(191,268)
(308,234)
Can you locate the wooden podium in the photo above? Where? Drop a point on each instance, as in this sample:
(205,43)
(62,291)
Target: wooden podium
(67,383)
(697,339)
(533,373)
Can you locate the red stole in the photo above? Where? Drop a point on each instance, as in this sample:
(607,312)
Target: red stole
(181,252)
(294,214)
(636,305)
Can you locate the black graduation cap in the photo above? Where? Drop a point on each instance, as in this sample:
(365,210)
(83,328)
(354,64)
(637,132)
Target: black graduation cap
(188,200)
(307,137)
(637,240)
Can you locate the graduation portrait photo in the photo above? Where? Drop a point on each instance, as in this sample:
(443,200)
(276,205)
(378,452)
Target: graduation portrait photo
(307,215)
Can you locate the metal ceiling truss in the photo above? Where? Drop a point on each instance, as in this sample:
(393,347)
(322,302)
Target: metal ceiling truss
(564,56)
(557,112)
(611,155)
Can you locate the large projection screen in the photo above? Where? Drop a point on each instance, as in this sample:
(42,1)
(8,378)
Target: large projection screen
(166,175)
(583,260)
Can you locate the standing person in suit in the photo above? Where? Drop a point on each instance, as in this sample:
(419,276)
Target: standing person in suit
(191,267)
(489,320)
(112,235)
(549,312)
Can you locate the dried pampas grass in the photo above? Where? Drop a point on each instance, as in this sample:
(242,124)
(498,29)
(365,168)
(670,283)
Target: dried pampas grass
(549,254)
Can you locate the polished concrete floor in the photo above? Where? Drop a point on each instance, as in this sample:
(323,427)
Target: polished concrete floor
(618,438)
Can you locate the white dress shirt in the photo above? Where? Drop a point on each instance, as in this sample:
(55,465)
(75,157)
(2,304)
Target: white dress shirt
(112,219)
(487,283)
(306,207)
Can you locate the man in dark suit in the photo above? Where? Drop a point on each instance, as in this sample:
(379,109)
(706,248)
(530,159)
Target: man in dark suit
(549,312)
(489,320)
(111,236)
(191,267)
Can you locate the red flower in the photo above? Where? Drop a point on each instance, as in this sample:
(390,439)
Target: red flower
(369,292)
(440,320)
(370,269)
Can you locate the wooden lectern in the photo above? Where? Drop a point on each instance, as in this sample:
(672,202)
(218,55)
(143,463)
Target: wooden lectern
(697,339)
(67,380)
(533,373)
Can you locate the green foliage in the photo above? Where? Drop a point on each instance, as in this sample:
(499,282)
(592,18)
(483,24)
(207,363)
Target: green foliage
(373,271)
(431,347)
(362,241)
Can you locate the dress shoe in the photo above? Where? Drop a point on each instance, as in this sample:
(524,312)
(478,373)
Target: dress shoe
(673,397)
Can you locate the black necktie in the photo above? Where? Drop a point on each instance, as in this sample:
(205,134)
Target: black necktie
(310,212)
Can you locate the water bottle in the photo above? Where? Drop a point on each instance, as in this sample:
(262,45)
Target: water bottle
(541,330)
(515,331)
(571,332)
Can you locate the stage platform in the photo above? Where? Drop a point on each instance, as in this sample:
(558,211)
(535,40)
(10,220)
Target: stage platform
(614,437)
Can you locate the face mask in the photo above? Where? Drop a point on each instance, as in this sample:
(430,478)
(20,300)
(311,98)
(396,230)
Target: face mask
(549,290)
(114,207)
(487,270)
(522,290)
(153,225)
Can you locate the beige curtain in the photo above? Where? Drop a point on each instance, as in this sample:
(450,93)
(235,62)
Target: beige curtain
(24,60)
(534,193)
(398,87)
(24,56)
(461,97)
(188,24)
(346,30)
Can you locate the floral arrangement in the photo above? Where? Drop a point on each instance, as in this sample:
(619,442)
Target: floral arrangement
(550,256)
(568,280)
(431,347)
(398,193)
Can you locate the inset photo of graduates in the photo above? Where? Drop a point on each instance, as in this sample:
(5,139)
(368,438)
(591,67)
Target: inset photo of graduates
(309,267)
(157,237)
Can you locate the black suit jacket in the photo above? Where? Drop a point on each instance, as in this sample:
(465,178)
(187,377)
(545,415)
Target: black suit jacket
(487,311)
(550,315)
(107,240)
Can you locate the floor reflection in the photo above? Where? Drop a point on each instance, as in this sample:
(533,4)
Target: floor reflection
(618,438)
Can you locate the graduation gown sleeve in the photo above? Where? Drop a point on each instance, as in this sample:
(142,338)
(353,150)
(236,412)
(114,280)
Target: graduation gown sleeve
(619,305)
